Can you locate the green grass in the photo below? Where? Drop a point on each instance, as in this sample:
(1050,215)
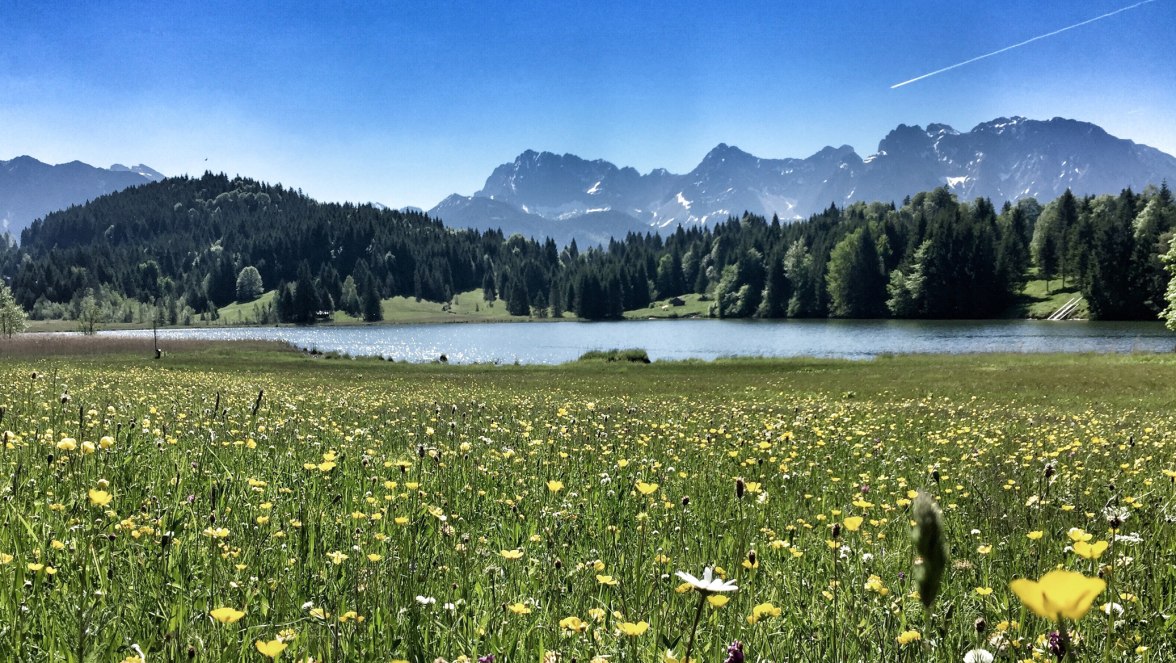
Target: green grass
(244,313)
(437,470)
(1038,302)
(662,309)
(465,307)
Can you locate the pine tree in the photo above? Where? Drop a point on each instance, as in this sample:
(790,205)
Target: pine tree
(1067,220)
(774,303)
(373,309)
(1012,255)
(306,301)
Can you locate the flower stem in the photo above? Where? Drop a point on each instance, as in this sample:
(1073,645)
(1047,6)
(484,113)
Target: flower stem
(1110,603)
(694,626)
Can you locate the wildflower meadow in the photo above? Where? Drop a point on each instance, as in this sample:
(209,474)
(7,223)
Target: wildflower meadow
(228,507)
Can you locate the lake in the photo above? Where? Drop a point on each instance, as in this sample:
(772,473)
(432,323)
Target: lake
(557,342)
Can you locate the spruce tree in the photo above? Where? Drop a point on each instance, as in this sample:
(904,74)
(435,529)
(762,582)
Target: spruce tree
(373,310)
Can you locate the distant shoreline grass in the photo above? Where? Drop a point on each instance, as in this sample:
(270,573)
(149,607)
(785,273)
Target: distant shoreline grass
(1035,302)
(1131,379)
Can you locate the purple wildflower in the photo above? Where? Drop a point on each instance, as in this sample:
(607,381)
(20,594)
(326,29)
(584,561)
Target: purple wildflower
(1056,644)
(734,653)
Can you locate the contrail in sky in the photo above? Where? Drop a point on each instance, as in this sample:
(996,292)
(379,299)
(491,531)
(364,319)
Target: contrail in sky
(1027,41)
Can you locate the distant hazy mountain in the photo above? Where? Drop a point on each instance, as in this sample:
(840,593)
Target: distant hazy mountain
(30,189)
(541,193)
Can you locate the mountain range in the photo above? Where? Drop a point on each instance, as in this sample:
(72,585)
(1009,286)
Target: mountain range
(564,197)
(541,194)
(30,189)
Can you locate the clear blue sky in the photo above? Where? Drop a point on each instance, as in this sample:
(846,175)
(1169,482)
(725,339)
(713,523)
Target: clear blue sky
(406,102)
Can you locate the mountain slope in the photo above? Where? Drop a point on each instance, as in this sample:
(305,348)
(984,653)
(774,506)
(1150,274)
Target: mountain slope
(30,189)
(541,193)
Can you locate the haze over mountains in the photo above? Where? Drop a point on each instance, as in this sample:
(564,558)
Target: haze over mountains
(541,193)
(30,189)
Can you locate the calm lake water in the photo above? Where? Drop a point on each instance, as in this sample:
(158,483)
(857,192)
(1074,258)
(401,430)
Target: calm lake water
(553,343)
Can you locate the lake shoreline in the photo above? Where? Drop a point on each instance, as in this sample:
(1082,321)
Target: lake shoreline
(704,339)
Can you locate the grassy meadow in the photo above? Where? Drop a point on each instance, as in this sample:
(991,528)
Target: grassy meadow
(242,504)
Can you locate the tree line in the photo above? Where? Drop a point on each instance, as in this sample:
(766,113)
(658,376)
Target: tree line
(184,247)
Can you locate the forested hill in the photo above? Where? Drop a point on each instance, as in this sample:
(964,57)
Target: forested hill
(188,238)
(196,244)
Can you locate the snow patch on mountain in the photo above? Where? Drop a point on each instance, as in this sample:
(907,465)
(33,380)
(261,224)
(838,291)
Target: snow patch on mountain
(1003,159)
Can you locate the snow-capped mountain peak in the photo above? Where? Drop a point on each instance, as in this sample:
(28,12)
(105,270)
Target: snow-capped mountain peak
(1007,158)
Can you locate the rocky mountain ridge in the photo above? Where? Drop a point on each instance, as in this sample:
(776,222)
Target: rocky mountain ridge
(565,196)
(30,189)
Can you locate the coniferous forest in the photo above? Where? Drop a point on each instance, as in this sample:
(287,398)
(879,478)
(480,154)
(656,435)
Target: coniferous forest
(187,246)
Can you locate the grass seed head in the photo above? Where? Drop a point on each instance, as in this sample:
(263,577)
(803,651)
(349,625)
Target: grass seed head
(931,545)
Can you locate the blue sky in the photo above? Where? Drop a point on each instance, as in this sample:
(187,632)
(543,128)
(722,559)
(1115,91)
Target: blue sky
(404,103)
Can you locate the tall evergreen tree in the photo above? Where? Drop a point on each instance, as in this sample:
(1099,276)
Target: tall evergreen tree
(1109,293)
(306,300)
(1012,254)
(774,302)
(372,305)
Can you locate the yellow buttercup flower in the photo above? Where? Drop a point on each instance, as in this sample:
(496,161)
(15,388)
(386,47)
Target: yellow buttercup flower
(270,648)
(717,600)
(555,486)
(1090,550)
(633,630)
(226,615)
(646,488)
(853,523)
(517,553)
(573,624)
(518,609)
(607,580)
(1059,594)
(1035,535)
(762,611)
